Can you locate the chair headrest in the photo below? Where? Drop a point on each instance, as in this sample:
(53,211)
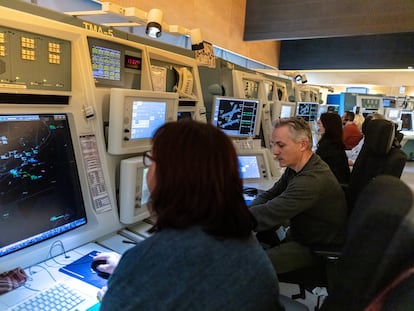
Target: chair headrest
(379,136)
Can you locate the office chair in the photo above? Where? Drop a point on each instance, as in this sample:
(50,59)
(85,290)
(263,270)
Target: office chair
(379,156)
(379,247)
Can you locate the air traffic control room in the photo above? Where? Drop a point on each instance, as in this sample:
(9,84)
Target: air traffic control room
(91,90)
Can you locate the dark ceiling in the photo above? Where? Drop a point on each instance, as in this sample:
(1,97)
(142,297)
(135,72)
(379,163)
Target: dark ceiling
(335,34)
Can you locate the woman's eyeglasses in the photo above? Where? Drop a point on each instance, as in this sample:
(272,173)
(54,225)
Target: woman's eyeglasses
(148,159)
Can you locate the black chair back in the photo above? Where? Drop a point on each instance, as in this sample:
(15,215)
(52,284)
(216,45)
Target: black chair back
(378,156)
(379,245)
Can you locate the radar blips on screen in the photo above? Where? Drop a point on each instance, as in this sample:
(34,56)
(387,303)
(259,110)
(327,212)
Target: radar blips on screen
(41,190)
(237,117)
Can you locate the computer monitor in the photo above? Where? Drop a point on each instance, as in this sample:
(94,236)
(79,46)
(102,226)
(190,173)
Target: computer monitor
(115,65)
(407,121)
(254,166)
(257,165)
(134,115)
(307,110)
(237,117)
(249,166)
(287,109)
(332,108)
(41,195)
(393,113)
(133,190)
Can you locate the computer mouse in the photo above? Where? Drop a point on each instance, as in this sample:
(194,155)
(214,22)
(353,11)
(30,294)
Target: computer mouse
(95,264)
(250,191)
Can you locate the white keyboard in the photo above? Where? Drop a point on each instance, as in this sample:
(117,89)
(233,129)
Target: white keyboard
(58,297)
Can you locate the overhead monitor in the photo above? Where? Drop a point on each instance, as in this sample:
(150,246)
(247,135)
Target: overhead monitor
(237,117)
(388,102)
(307,110)
(357,89)
(115,65)
(407,121)
(41,195)
(369,103)
(134,115)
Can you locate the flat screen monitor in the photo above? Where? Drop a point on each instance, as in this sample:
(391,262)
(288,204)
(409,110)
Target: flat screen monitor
(40,194)
(254,165)
(114,65)
(386,102)
(393,113)
(237,117)
(134,115)
(307,110)
(249,166)
(370,103)
(106,63)
(332,108)
(287,110)
(407,121)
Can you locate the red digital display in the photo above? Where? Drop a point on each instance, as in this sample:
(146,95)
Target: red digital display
(132,62)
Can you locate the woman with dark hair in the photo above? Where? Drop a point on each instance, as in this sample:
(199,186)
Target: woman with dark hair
(331,148)
(202,254)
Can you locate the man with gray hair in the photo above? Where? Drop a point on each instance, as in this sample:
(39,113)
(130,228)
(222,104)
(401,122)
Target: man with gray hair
(307,197)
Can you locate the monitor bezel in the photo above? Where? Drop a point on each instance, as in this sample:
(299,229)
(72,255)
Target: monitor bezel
(120,109)
(387,112)
(290,104)
(258,120)
(81,222)
(127,70)
(308,103)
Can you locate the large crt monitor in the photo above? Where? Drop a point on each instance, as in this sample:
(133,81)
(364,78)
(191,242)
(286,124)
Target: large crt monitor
(134,115)
(40,195)
(237,117)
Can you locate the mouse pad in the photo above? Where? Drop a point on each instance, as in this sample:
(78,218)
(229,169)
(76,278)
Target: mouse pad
(81,269)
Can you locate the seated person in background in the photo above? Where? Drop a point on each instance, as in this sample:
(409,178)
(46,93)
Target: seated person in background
(359,120)
(352,134)
(203,254)
(307,196)
(331,148)
(354,152)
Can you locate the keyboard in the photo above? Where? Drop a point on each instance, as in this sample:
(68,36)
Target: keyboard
(58,297)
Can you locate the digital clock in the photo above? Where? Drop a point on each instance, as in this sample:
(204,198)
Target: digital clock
(132,62)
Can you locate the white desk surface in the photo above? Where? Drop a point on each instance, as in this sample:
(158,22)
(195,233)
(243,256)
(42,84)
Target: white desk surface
(264,184)
(46,273)
(408,134)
